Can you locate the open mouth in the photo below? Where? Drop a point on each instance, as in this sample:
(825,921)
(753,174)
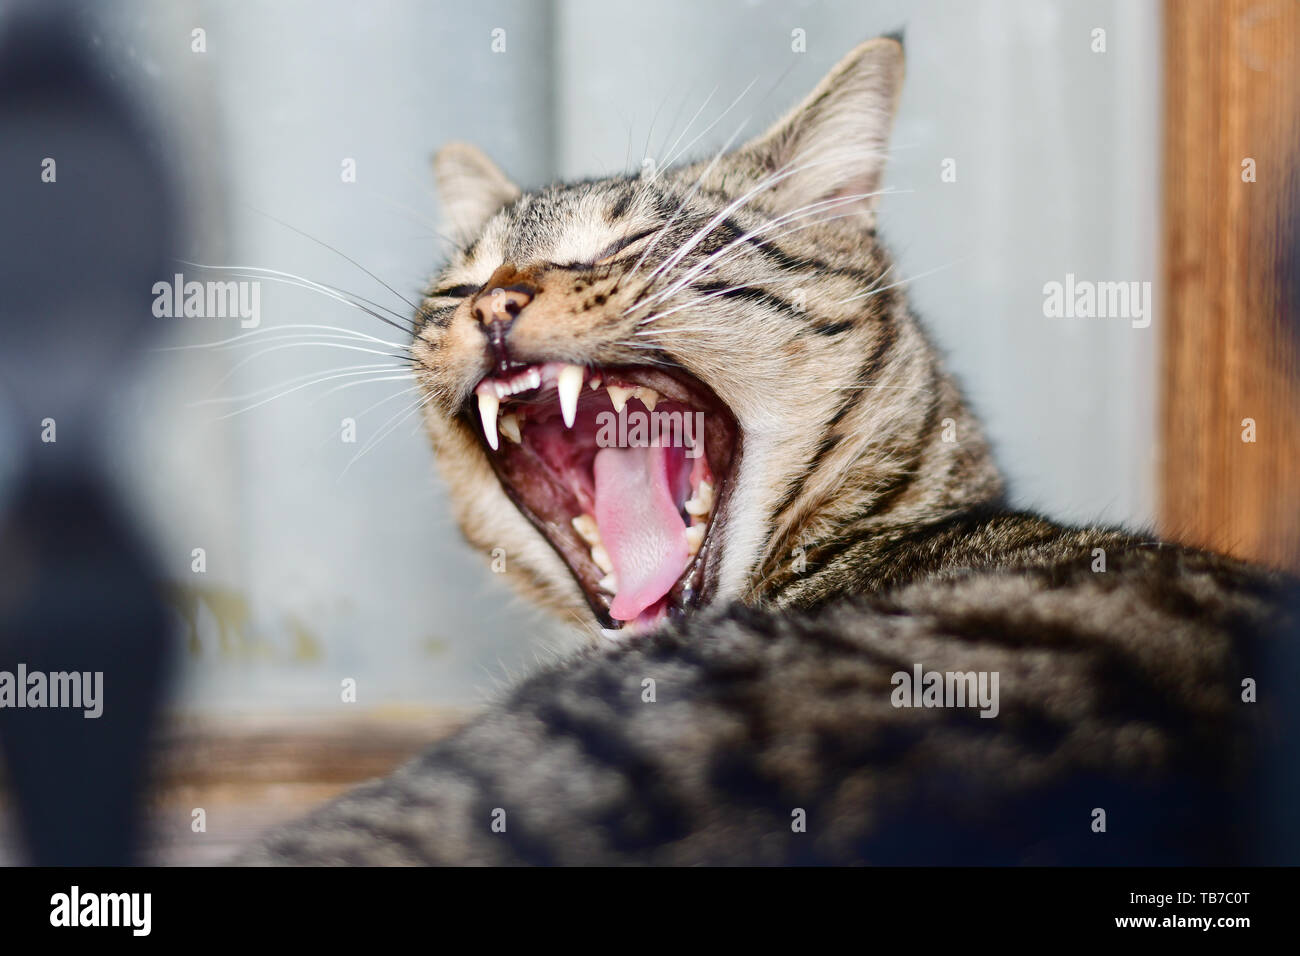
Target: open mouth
(625,470)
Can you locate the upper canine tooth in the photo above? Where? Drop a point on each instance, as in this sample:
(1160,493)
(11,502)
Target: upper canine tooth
(618,395)
(487,411)
(608,584)
(694,537)
(509,426)
(569,384)
(649,397)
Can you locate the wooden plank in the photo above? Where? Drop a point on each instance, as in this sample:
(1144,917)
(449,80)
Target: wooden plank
(249,773)
(1231,350)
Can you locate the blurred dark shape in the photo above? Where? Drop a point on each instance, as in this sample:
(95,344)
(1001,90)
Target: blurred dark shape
(78,592)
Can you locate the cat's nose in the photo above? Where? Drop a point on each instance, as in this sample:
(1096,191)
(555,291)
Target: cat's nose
(497,306)
(503,296)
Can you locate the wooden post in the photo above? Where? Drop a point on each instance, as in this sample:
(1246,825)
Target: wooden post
(1231,320)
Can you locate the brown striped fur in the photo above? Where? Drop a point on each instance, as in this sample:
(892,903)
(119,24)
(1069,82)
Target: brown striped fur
(866,535)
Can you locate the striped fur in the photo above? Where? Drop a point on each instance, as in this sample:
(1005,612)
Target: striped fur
(867,536)
(760,274)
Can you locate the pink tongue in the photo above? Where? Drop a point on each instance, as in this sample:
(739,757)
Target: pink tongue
(639,526)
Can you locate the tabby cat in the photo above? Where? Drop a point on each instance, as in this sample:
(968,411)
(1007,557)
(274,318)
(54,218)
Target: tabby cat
(810,557)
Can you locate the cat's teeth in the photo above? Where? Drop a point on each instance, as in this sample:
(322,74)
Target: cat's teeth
(601,557)
(700,503)
(619,395)
(649,397)
(487,411)
(569,384)
(694,538)
(585,525)
(595,382)
(509,426)
(608,584)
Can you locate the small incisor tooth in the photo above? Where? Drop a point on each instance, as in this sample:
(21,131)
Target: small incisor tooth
(608,584)
(509,426)
(701,503)
(649,397)
(585,525)
(694,538)
(487,412)
(569,385)
(618,395)
(601,557)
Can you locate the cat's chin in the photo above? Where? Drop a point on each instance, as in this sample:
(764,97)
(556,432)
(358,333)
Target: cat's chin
(626,471)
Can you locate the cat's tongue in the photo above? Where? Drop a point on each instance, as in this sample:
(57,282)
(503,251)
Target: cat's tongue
(640,526)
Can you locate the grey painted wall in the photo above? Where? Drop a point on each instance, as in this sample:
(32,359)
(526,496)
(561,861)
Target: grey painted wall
(353,569)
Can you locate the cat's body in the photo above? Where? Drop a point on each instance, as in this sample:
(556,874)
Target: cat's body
(852,539)
(1119,691)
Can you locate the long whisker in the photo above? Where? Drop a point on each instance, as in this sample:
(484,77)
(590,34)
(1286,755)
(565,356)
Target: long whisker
(687,128)
(337,252)
(375,367)
(700,300)
(803,212)
(384,432)
(370,408)
(663,230)
(290,345)
(228,343)
(302,282)
(704,132)
(764,184)
(288,391)
(919,275)
(405,377)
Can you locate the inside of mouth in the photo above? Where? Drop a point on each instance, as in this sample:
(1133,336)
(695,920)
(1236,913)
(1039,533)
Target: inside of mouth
(616,468)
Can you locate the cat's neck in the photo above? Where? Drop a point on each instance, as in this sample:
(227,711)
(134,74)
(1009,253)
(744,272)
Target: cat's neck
(905,465)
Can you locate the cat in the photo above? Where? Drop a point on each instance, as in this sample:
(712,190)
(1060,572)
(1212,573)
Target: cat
(819,632)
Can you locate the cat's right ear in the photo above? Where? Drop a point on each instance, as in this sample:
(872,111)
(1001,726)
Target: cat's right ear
(826,157)
(471,188)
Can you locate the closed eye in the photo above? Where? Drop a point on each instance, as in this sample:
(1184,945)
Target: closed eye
(612,250)
(454,292)
(623,244)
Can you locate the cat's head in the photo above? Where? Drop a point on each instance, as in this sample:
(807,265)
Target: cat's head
(739,309)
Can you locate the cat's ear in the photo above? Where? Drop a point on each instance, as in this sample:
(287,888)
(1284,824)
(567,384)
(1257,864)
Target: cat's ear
(471,188)
(832,146)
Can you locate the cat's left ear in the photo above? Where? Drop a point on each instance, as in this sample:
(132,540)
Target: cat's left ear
(471,188)
(831,148)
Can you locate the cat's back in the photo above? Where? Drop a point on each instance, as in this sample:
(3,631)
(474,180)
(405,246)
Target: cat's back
(977,713)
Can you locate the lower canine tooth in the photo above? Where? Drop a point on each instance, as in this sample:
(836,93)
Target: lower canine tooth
(601,557)
(487,411)
(569,384)
(618,395)
(608,584)
(509,426)
(694,537)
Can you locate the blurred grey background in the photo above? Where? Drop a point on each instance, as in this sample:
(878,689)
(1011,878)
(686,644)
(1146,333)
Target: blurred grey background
(322,565)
